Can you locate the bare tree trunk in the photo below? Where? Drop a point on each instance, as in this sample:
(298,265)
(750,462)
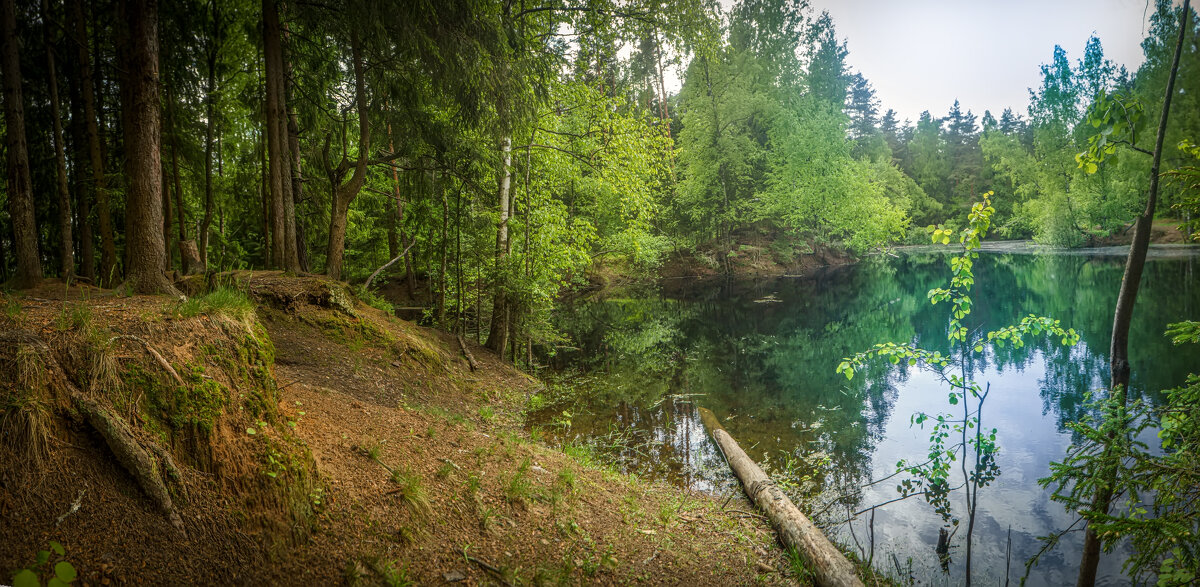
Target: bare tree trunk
(445,250)
(173,132)
(498,336)
(66,244)
(210,89)
(145,249)
(292,125)
(276,143)
(83,196)
(166,217)
(1123,315)
(265,191)
(108,248)
(345,193)
(20,183)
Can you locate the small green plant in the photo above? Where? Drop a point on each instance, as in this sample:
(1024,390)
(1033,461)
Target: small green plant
(374,300)
(12,309)
(975,449)
(412,492)
(74,317)
(519,488)
(487,413)
(42,573)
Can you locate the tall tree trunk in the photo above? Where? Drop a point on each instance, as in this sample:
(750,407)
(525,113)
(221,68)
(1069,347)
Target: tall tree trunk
(210,113)
(145,248)
(20,184)
(83,195)
(181,219)
(1123,315)
(297,179)
(166,217)
(276,142)
(66,245)
(445,249)
(108,247)
(345,193)
(264,190)
(498,336)
(292,128)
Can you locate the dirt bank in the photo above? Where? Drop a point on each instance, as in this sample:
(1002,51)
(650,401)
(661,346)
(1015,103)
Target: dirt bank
(318,440)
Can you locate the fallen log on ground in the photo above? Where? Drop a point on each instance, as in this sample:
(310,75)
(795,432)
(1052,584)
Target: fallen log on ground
(829,566)
(467,353)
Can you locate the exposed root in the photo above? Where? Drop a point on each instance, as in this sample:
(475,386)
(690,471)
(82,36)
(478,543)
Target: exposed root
(153,353)
(116,432)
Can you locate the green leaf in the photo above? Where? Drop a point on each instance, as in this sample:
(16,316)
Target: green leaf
(57,548)
(56,582)
(979,348)
(26,578)
(849,374)
(42,557)
(65,571)
(251,431)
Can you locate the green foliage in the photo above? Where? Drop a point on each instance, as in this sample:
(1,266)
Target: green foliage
(42,573)
(932,478)
(374,300)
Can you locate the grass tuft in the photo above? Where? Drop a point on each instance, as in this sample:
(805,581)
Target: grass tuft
(412,492)
(224,301)
(519,488)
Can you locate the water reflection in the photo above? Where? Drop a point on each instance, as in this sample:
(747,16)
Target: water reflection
(762,354)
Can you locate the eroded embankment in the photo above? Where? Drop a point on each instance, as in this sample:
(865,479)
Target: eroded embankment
(305,437)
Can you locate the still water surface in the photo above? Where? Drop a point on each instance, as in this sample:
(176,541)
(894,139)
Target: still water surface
(762,355)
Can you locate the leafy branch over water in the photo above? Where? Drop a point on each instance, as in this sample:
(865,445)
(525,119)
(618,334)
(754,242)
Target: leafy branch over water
(932,477)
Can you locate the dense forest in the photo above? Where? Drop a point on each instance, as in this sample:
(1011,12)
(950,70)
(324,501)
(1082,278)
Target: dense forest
(495,151)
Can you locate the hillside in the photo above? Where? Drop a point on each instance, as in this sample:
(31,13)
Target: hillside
(306,438)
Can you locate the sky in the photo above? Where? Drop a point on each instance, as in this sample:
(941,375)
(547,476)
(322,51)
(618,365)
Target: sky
(924,54)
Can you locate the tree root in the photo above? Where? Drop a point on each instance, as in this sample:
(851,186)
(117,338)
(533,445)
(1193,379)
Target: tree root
(115,431)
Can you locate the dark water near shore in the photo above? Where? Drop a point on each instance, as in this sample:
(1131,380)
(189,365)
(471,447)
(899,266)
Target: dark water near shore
(762,354)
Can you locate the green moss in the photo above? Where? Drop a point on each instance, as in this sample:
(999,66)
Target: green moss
(198,403)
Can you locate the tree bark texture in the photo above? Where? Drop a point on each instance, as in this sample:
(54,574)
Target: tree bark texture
(145,249)
(829,565)
(1135,263)
(345,193)
(66,243)
(79,179)
(498,335)
(20,183)
(277,160)
(108,247)
(210,98)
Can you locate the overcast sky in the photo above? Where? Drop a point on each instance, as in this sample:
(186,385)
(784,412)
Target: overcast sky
(923,54)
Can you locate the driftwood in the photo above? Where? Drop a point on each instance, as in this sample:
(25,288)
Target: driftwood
(829,565)
(115,431)
(467,352)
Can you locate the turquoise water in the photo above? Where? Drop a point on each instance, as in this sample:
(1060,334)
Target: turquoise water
(762,354)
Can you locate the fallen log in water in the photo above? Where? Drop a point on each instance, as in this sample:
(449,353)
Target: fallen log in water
(830,567)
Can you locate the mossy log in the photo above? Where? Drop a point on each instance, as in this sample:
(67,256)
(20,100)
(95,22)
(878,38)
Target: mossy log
(115,431)
(830,567)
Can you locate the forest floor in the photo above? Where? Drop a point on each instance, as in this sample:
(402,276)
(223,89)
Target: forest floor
(386,459)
